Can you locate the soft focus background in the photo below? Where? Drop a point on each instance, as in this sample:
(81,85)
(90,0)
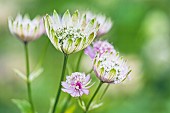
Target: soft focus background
(141,32)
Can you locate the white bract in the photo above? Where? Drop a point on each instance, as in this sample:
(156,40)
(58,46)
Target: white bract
(70,34)
(25,29)
(110,68)
(105,23)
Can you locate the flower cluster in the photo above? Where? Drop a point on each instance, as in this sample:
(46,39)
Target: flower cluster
(77,84)
(70,34)
(111,68)
(25,29)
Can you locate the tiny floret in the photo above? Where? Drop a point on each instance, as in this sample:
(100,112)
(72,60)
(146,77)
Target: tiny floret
(71,33)
(26,29)
(111,68)
(77,84)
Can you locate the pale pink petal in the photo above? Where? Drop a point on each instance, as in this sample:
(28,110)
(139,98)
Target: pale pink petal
(65,85)
(85,91)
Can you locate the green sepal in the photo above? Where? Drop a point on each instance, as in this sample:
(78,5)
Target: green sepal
(90,38)
(112,73)
(75,17)
(35,74)
(95,105)
(20,74)
(82,104)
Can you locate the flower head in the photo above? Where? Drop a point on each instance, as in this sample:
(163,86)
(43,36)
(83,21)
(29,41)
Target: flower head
(110,68)
(99,47)
(77,84)
(26,29)
(70,34)
(105,23)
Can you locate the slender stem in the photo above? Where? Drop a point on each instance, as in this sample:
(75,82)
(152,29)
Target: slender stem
(79,59)
(88,105)
(104,92)
(65,104)
(27,74)
(77,69)
(61,79)
(81,102)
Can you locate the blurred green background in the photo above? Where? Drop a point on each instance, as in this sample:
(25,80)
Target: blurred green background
(141,32)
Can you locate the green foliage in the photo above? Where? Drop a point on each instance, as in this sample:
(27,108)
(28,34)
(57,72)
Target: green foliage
(23,105)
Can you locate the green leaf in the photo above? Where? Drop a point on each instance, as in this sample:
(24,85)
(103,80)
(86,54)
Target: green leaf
(23,105)
(35,74)
(20,74)
(82,104)
(95,105)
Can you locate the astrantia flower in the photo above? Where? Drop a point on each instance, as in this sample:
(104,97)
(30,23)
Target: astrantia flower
(105,23)
(110,68)
(70,34)
(99,47)
(77,84)
(26,29)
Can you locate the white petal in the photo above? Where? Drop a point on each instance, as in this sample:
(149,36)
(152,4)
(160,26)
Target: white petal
(66,19)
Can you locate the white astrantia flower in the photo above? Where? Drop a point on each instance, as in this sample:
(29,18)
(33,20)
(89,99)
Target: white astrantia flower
(105,23)
(25,28)
(111,68)
(70,34)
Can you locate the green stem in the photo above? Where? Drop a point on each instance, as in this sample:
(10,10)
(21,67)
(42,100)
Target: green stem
(66,103)
(79,59)
(27,74)
(77,69)
(62,78)
(104,92)
(81,102)
(88,105)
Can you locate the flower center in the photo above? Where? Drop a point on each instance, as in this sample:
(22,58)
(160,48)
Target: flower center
(69,32)
(78,85)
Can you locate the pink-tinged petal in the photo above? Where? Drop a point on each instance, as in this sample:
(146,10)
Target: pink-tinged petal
(65,85)
(90,52)
(68,90)
(80,93)
(77,84)
(85,91)
(74,94)
(87,79)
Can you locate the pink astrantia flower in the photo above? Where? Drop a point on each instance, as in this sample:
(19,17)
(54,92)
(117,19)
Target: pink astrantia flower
(26,29)
(111,68)
(77,84)
(99,47)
